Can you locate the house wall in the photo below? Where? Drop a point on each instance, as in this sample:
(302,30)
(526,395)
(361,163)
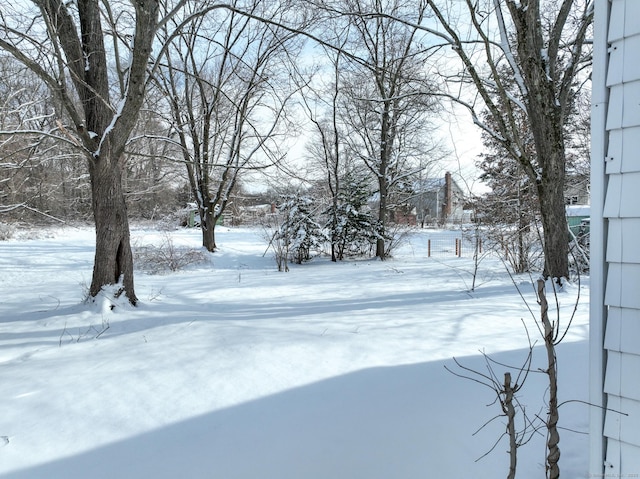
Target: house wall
(619,320)
(576,191)
(439,199)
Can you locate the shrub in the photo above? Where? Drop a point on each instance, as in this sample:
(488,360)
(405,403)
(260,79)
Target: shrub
(6,231)
(167,257)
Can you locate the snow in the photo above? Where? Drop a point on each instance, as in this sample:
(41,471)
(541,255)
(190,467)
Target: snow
(578,210)
(229,369)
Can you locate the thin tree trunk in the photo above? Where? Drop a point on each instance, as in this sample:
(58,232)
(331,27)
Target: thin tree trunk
(511,427)
(553,437)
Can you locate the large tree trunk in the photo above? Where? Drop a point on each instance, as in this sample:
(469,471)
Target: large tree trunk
(556,232)
(547,121)
(386,141)
(382,216)
(208,225)
(113,262)
(102,127)
(207,217)
(547,128)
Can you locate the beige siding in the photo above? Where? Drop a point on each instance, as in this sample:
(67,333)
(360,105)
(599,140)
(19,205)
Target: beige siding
(622,256)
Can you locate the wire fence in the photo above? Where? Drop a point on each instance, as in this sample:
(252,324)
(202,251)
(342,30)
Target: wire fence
(454,244)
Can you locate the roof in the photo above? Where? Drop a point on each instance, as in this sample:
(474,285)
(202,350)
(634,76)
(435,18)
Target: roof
(578,210)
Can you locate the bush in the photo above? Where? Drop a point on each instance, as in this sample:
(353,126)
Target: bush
(6,231)
(167,257)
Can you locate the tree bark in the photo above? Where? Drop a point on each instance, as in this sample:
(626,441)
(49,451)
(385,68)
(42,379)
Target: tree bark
(510,411)
(208,225)
(386,142)
(382,216)
(106,131)
(556,232)
(546,119)
(553,436)
(113,263)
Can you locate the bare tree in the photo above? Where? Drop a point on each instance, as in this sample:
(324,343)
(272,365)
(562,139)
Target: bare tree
(41,177)
(509,211)
(153,181)
(228,93)
(321,106)
(541,44)
(385,94)
(507,397)
(95,64)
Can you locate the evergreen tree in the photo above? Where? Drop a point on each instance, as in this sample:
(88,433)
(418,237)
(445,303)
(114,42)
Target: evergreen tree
(509,212)
(355,228)
(299,231)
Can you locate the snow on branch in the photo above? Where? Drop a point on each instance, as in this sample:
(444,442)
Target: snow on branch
(506,48)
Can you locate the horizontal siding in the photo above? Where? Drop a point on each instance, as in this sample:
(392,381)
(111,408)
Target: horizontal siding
(617,20)
(630,149)
(623,460)
(624,105)
(624,144)
(631,67)
(622,255)
(631,113)
(623,331)
(622,285)
(615,148)
(613,420)
(623,245)
(622,196)
(622,421)
(621,367)
(624,66)
(631,23)
(616,106)
(623,19)
(615,72)
(630,463)
(612,199)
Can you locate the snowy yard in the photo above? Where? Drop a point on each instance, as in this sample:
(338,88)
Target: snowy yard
(230,369)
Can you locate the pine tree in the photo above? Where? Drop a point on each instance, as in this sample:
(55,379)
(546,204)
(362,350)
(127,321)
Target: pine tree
(299,231)
(355,230)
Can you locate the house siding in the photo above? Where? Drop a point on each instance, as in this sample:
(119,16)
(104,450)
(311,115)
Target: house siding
(621,220)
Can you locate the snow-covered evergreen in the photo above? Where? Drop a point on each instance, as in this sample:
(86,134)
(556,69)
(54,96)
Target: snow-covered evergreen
(299,231)
(353,229)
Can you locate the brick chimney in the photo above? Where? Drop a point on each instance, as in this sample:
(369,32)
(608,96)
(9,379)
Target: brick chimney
(448,196)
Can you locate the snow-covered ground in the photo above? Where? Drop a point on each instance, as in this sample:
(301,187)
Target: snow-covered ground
(229,369)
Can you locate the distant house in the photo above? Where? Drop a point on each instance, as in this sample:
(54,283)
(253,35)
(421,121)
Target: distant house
(615,228)
(576,216)
(577,190)
(438,200)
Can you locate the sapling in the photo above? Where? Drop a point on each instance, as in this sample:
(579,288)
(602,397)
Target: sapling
(506,396)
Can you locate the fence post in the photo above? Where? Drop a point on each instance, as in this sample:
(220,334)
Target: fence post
(429,248)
